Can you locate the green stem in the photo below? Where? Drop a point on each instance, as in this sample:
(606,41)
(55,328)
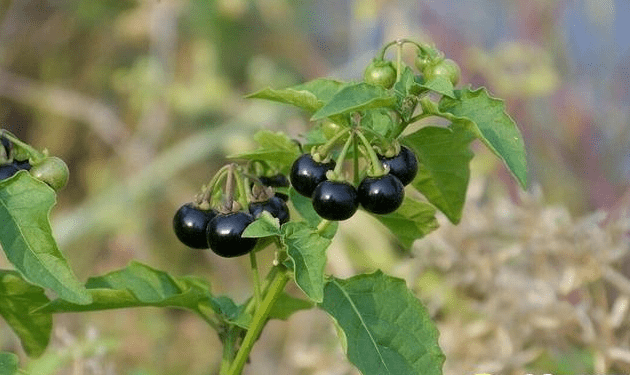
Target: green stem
(355,157)
(321,227)
(228,352)
(258,322)
(208,192)
(399,51)
(342,156)
(325,148)
(244,195)
(256,279)
(377,167)
(36,155)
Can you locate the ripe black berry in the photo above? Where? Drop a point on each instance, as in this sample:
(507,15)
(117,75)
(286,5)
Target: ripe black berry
(22,165)
(335,200)
(381,195)
(306,174)
(190,223)
(404,165)
(275,206)
(225,234)
(7,170)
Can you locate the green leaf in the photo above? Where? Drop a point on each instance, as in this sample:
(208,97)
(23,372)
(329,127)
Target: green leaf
(357,97)
(378,120)
(387,330)
(265,226)
(230,312)
(443,167)
(8,363)
(486,118)
(411,221)
(309,96)
(17,299)
(27,239)
(285,306)
(139,285)
(307,251)
(438,84)
(275,148)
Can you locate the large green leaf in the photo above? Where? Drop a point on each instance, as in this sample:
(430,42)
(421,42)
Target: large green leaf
(8,363)
(411,221)
(357,97)
(139,285)
(307,251)
(443,168)
(275,148)
(387,330)
(309,96)
(486,118)
(27,239)
(17,299)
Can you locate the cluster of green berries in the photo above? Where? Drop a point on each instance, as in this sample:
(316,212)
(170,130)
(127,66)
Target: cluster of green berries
(49,169)
(200,226)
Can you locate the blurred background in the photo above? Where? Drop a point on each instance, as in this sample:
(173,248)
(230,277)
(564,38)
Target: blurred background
(143,99)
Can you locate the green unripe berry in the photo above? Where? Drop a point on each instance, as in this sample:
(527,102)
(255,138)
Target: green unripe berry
(53,171)
(380,73)
(446,68)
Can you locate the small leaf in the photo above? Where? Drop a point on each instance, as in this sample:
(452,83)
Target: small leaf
(438,84)
(411,221)
(309,96)
(357,97)
(17,299)
(275,148)
(139,285)
(486,118)
(443,168)
(27,239)
(378,120)
(8,363)
(307,250)
(286,306)
(387,330)
(265,226)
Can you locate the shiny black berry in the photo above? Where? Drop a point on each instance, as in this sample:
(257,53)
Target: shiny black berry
(335,200)
(7,170)
(404,165)
(225,234)
(381,195)
(306,174)
(190,223)
(278,180)
(275,206)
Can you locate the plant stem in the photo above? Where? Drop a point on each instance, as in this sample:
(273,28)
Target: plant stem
(258,322)
(376,165)
(355,155)
(228,352)
(256,279)
(399,51)
(325,148)
(342,156)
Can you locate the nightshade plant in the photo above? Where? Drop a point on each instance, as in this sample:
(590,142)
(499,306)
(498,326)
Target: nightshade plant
(359,154)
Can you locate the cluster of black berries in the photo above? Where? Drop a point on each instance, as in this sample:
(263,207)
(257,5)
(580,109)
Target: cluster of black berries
(10,166)
(339,200)
(203,228)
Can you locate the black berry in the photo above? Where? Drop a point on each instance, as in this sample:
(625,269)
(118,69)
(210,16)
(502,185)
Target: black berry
(275,206)
(7,170)
(225,234)
(190,223)
(306,174)
(404,165)
(381,195)
(335,200)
